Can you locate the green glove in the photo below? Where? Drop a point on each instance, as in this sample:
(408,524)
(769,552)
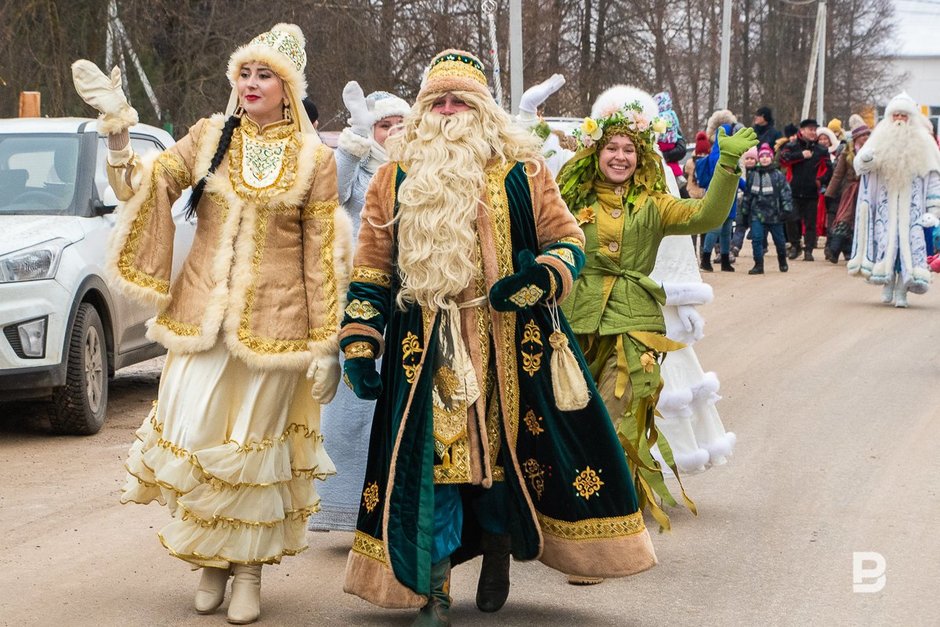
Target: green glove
(362,378)
(731,148)
(532,284)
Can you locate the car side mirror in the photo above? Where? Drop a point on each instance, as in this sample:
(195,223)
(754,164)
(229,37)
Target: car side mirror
(107,204)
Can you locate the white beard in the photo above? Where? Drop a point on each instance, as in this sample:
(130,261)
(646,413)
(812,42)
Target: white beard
(904,151)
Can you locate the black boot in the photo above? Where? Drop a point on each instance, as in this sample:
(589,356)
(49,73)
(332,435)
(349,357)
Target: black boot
(726,263)
(795,251)
(706,262)
(758,267)
(782,262)
(808,255)
(493,587)
(436,613)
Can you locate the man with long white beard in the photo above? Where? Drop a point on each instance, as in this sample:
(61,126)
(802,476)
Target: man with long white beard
(464,249)
(899,194)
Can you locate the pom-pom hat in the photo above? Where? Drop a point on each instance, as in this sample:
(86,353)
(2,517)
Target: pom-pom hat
(765,149)
(454,70)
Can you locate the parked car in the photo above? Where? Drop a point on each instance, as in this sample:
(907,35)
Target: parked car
(64,331)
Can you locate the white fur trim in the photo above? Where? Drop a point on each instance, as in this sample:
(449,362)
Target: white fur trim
(619,95)
(719,117)
(122,229)
(902,103)
(720,449)
(112,124)
(356,145)
(688,293)
(342,271)
(389,106)
(280,63)
(207,143)
(675,405)
(833,140)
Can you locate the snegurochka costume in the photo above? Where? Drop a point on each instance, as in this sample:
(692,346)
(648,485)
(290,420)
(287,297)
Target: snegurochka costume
(615,307)
(347,420)
(451,469)
(232,445)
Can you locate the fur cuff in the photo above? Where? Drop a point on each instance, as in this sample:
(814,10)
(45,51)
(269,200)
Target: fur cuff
(112,124)
(688,293)
(356,145)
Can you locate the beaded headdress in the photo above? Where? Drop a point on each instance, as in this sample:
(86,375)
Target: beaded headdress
(454,70)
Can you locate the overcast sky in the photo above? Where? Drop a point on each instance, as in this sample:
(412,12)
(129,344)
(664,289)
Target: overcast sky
(918,27)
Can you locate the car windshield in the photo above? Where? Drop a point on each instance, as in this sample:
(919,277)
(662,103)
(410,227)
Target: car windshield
(38,173)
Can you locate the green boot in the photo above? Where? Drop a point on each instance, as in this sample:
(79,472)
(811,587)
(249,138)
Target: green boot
(436,613)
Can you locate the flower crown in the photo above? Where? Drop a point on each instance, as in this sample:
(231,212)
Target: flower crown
(628,119)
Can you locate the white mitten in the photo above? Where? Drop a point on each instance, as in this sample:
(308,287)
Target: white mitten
(324,372)
(929,220)
(692,321)
(360,118)
(534,96)
(106,95)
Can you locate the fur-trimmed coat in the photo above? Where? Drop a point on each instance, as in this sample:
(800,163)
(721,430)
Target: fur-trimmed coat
(269,264)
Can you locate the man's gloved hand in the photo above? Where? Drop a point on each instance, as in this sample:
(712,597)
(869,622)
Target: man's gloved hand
(929,220)
(362,378)
(535,96)
(324,373)
(531,284)
(105,94)
(692,321)
(360,118)
(731,148)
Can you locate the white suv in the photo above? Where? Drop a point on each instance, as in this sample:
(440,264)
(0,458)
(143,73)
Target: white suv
(63,332)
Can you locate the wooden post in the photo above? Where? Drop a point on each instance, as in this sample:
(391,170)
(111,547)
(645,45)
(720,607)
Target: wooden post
(29,104)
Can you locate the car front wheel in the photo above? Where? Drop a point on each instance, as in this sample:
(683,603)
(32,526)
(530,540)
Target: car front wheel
(79,407)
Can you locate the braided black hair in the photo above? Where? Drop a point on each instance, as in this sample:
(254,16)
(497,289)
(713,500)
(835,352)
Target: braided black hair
(230,124)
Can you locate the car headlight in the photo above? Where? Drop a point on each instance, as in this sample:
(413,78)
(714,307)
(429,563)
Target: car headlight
(34,263)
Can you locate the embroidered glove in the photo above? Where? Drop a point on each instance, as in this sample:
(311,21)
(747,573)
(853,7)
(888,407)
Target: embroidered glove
(360,118)
(324,373)
(692,321)
(533,283)
(105,94)
(731,148)
(362,378)
(534,96)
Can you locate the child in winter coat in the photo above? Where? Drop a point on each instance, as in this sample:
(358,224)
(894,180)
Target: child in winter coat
(768,203)
(743,222)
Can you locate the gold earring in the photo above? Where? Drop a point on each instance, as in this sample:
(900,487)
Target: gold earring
(287,113)
(239,111)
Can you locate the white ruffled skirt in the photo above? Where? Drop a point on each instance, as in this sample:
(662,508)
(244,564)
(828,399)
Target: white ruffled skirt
(233,453)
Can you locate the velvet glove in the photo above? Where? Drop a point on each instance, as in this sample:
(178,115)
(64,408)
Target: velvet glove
(531,284)
(731,148)
(324,374)
(362,378)
(535,96)
(360,118)
(105,94)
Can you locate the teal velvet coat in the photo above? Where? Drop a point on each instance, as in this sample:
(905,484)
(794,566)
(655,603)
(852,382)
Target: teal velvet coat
(573,503)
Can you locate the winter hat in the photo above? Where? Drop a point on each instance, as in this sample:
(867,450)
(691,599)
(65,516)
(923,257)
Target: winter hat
(702,145)
(385,105)
(765,149)
(833,140)
(860,131)
(790,130)
(835,125)
(615,97)
(750,153)
(664,100)
(902,103)
(718,118)
(282,50)
(855,120)
(454,70)
(766,113)
(809,122)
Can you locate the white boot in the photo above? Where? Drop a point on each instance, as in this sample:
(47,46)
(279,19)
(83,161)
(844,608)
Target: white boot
(245,606)
(211,590)
(887,294)
(900,294)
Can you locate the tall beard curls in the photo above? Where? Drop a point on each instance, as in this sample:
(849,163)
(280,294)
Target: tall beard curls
(438,204)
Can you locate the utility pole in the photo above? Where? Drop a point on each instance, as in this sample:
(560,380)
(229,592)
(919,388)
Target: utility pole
(725,55)
(821,60)
(515,54)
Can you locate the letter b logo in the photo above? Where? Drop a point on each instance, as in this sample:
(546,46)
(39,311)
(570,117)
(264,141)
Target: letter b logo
(868,571)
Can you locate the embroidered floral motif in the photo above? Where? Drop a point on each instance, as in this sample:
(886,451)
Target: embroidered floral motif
(586,216)
(562,253)
(370,496)
(532,423)
(411,356)
(587,483)
(361,310)
(531,348)
(263,166)
(535,473)
(527,296)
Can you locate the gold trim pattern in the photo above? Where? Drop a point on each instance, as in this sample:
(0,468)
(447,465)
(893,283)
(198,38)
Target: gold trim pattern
(588,483)
(458,69)
(173,164)
(535,474)
(411,356)
(177,327)
(365,274)
(593,528)
(527,296)
(531,361)
(365,544)
(128,254)
(280,139)
(370,496)
(562,253)
(361,310)
(532,423)
(574,241)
